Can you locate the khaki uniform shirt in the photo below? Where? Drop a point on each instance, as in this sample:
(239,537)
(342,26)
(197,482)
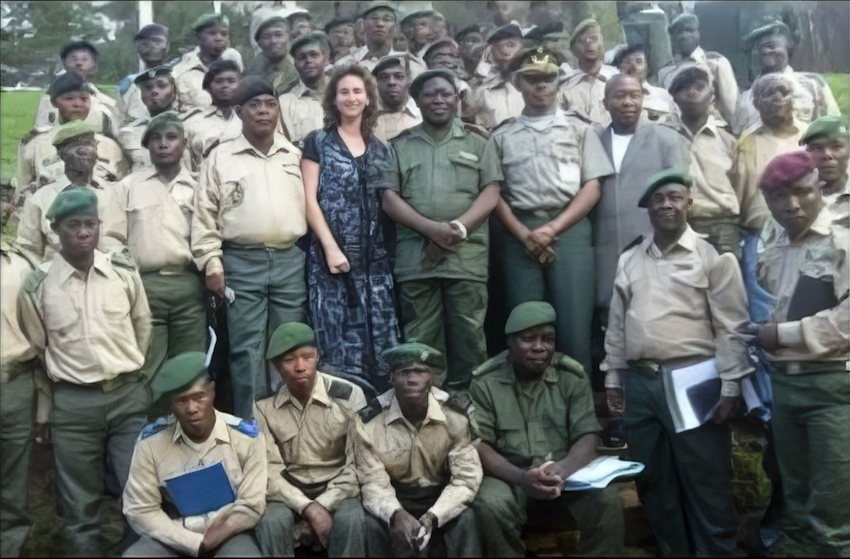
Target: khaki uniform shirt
(130,138)
(812,99)
(130,106)
(493,102)
(839,202)
(712,152)
(822,254)
(441,180)
(583,94)
(658,105)
(544,169)
(249,198)
(532,424)
(163,451)
(311,444)
(40,242)
(15,348)
(301,111)
(755,150)
(39,163)
(719,71)
(393,453)
(189,75)
(205,130)
(90,327)
(159,220)
(282,75)
(687,302)
(102,114)
(361,57)
(389,124)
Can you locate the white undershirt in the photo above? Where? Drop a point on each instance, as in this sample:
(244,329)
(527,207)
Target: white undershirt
(619,145)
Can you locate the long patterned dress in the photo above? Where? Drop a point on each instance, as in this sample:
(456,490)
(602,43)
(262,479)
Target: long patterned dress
(354,313)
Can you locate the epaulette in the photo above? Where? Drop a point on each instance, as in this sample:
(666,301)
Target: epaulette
(123,259)
(566,363)
(157,426)
(476,129)
(491,365)
(339,390)
(401,134)
(579,115)
(125,83)
(461,402)
(504,122)
(212,147)
(638,240)
(33,280)
(245,426)
(37,131)
(186,114)
(372,410)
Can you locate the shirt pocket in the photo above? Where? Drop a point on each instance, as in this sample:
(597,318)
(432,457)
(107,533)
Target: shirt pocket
(115,305)
(466,173)
(61,318)
(511,433)
(566,154)
(687,276)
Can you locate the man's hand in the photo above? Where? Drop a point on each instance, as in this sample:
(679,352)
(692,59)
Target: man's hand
(444,235)
(726,409)
(337,262)
(321,521)
(539,485)
(768,336)
(427,522)
(215,535)
(544,235)
(403,527)
(616,399)
(215,282)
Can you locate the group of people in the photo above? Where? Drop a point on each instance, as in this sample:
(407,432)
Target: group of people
(360,211)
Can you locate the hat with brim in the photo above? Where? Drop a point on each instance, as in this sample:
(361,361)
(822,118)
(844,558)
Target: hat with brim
(668,176)
(394,58)
(416,15)
(440,43)
(824,127)
(530,315)
(176,375)
(772,28)
(72,201)
(251,87)
(538,60)
(414,352)
(288,337)
(162,70)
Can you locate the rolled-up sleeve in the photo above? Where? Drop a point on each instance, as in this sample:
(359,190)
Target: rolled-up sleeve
(466,477)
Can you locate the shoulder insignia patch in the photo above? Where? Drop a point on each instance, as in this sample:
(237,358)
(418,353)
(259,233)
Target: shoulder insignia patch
(186,114)
(212,147)
(159,425)
(340,390)
(491,365)
(476,129)
(577,115)
(248,427)
(33,280)
(566,363)
(371,411)
(122,259)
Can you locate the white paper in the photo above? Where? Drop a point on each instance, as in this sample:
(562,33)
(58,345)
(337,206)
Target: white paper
(424,536)
(599,473)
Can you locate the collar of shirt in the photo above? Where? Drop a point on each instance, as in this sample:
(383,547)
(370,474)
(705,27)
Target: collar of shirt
(319,395)
(458,131)
(687,241)
(508,376)
(710,127)
(605,73)
(559,119)
(410,108)
(216,111)
(220,433)
(776,235)
(301,90)
(183,177)
(280,144)
(64,270)
(193,59)
(435,413)
(697,56)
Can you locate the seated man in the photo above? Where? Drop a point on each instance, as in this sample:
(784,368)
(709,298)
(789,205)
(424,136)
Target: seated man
(398,110)
(416,463)
(313,492)
(195,437)
(534,409)
(677,302)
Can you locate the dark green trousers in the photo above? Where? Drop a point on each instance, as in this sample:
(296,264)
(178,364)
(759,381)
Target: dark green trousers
(686,488)
(811,428)
(240,545)
(179,322)
(16,411)
(502,511)
(346,539)
(568,284)
(448,315)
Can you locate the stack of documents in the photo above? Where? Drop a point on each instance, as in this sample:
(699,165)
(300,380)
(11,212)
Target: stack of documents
(201,491)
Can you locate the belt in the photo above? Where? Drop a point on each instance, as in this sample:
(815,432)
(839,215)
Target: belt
(810,367)
(107,385)
(167,271)
(227,245)
(652,368)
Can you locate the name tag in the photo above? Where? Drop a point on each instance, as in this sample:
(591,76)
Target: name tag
(467,155)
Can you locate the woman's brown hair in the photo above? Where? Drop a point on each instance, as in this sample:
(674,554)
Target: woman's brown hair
(332,116)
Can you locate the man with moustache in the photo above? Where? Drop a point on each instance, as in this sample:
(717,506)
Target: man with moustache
(249,211)
(301,109)
(213,34)
(553,163)
(398,110)
(677,302)
(273,38)
(313,494)
(535,414)
(416,462)
(379,26)
(447,185)
(152,44)
(583,90)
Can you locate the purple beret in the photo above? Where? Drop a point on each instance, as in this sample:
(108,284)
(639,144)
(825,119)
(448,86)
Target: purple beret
(785,169)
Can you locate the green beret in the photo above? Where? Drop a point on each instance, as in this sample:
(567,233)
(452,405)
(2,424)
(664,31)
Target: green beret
(419,81)
(668,176)
(76,130)
(414,352)
(270,21)
(251,87)
(159,122)
(67,83)
(681,20)
(72,201)
(208,20)
(394,58)
(177,374)
(313,37)
(528,315)
(583,26)
(391,6)
(289,336)
(162,70)
(825,126)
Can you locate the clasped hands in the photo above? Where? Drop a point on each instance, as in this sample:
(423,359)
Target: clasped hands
(538,242)
(416,534)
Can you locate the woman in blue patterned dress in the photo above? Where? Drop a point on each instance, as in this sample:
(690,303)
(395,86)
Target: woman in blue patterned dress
(350,284)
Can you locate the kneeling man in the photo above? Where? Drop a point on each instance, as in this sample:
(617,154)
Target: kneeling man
(311,455)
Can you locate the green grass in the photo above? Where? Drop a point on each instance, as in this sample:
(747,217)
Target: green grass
(840,86)
(17,113)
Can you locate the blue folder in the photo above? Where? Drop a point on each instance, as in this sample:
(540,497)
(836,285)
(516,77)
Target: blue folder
(201,491)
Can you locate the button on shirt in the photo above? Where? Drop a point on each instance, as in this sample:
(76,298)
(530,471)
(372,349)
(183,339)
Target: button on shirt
(249,198)
(712,152)
(91,326)
(822,254)
(15,348)
(389,124)
(170,453)
(686,302)
(533,423)
(441,180)
(301,111)
(311,444)
(393,453)
(159,220)
(544,169)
